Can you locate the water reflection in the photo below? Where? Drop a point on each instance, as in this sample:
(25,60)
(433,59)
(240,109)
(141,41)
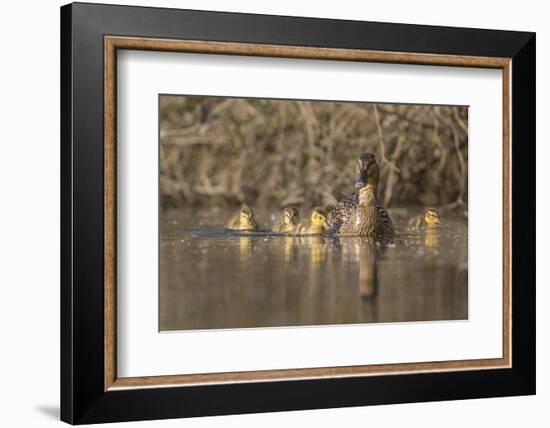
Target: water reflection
(318,247)
(431,238)
(213,279)
(362,252)
(245,245)
(368,270)
(289,249)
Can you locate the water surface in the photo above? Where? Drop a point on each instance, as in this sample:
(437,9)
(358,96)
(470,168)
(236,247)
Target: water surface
(213,279)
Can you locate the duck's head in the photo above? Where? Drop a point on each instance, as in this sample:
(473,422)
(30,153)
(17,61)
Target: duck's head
(431,217)
(367,195)
(246,217)
(319,217)
(368,171)
(291,215)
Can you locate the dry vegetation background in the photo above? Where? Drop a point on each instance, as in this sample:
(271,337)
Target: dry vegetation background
(226,151)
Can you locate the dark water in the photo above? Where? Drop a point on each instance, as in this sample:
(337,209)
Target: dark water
(213,279)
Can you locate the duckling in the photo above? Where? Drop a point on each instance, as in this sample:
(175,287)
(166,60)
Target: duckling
(243,220)
(428,220)
(368,175)
(366,219)
(289,221)
(317,224)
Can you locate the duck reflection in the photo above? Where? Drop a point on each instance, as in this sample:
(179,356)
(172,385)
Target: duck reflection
(363,253)
(246,246)
(368,270)
(431,239)
(318,250)
(289,249)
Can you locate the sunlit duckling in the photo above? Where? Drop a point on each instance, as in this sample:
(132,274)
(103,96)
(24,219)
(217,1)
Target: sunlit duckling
(428,220)
(367,219)
(317,225)
(368,174)
(243,220)
(289,222)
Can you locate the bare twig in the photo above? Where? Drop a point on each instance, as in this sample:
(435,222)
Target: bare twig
(383,159)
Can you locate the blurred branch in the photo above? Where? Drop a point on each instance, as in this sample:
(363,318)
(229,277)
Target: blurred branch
(383,159)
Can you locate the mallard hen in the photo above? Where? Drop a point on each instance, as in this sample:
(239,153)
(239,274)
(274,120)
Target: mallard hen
(365,219)
(368,175)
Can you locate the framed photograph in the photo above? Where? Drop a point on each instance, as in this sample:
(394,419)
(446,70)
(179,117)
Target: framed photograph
(265,213)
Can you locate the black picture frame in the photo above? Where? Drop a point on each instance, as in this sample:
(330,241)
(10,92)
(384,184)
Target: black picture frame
(83,398)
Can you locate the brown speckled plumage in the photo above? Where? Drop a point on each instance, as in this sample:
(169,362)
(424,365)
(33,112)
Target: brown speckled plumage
(343,219)
(367,218)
